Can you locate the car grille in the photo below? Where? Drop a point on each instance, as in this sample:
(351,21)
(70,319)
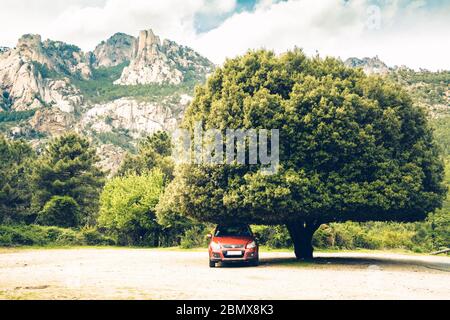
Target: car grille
(226,255)
(233,246)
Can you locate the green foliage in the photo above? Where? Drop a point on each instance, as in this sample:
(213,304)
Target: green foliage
(426,87)
(410,76)
(352,147)
(195,237)
(45,71)
(5,101)
(440,220)
(60,211)
(100,88)
(64,53)
(127,208)
(373,235)
(442,133)
(16,159)
(154,152)
(68,168)
(415,237)
(33,235)
(12,116)
(92,237)
(275,237)
(117,138)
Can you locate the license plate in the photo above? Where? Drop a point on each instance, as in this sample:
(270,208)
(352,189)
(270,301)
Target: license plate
(234,253)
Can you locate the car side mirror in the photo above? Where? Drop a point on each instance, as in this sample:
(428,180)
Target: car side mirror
(257,236)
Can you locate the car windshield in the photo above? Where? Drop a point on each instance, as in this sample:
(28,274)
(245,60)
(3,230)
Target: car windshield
(236,231)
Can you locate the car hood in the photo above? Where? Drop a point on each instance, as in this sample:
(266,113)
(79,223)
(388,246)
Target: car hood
(233,240)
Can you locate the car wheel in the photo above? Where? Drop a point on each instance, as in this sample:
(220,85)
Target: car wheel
(255,263)
(212,264)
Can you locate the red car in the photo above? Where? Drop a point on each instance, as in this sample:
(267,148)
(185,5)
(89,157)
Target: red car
(233,243)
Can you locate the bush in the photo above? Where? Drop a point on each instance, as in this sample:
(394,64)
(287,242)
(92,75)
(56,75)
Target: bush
(34,235)
(59,211)
(93,237)
(69,237)
(275,237)
(417,237)
(127,208)
(195,237)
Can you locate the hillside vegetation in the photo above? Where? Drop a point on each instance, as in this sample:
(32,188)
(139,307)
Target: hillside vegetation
(101,88)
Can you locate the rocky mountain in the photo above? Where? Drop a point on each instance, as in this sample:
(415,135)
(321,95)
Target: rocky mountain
(34,75)
(369,65)
(125,89)
(159,62)
(114,51)
(430,90)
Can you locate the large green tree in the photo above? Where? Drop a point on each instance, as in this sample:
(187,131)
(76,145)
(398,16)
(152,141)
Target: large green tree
(127,209)
(352,147)
(154,153)
(16,158)
(67,168)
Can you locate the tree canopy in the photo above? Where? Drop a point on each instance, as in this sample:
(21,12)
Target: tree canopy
(68,168)
(352,147)
(15,169)
(154,152)
(127,209)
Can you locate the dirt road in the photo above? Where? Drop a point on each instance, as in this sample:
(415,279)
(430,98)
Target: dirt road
(157,274)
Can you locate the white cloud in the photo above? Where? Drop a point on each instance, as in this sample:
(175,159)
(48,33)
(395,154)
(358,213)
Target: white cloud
(410,33)
(218,6)
(86,23)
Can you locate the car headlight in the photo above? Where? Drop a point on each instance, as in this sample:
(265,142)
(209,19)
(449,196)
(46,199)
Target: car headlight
(251,245)
(215,246)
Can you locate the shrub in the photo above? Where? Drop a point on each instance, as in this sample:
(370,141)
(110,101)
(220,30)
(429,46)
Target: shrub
(275,237)
(417,237)
(35,235)
(59,211)
(69,237)
(194,237)
(127,208)
(93,237)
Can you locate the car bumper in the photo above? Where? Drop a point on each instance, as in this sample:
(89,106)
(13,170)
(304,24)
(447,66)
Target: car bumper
(226,256)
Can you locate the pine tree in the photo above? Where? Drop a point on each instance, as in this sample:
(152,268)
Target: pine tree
(16,158)
(67,168)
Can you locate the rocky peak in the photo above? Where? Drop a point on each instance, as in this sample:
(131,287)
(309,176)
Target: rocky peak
(29,41)
(116,50)
(30,48)
(4,49)
(148,45)
(369,65)
(35,74)
(166,62)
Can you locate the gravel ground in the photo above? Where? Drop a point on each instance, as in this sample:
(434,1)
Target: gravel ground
(168,274)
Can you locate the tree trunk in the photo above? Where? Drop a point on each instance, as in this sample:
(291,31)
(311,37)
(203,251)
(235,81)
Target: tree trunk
(156,238)
(301,233)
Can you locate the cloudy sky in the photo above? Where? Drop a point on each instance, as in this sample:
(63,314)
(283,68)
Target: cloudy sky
(401,32)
